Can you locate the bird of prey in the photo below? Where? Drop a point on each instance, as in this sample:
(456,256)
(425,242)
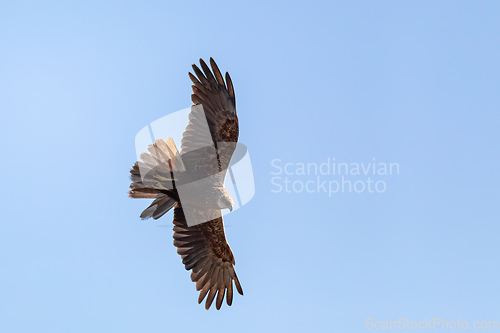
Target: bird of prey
(192,182)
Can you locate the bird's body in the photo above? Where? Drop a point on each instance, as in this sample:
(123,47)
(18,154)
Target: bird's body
(192,181)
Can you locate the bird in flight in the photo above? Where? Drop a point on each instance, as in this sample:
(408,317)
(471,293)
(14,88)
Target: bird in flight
(192,182)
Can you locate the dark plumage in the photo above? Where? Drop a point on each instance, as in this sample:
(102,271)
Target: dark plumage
(207,146)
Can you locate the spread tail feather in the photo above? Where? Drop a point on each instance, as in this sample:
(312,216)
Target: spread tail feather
(153,177)
(159,207)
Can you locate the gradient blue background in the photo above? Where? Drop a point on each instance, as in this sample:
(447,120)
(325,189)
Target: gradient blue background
(412,82)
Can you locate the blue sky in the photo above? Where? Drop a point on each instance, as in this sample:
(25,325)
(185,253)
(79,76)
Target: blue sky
(410,82)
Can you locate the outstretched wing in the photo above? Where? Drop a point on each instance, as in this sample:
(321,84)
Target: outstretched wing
(212,133)
(204,250)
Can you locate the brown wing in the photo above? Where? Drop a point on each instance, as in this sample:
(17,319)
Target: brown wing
(204,250)
(218,111)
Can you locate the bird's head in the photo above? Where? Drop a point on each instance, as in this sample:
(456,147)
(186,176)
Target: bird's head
(225,201)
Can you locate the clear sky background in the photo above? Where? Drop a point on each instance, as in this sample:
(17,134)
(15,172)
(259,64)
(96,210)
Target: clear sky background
(411,82)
